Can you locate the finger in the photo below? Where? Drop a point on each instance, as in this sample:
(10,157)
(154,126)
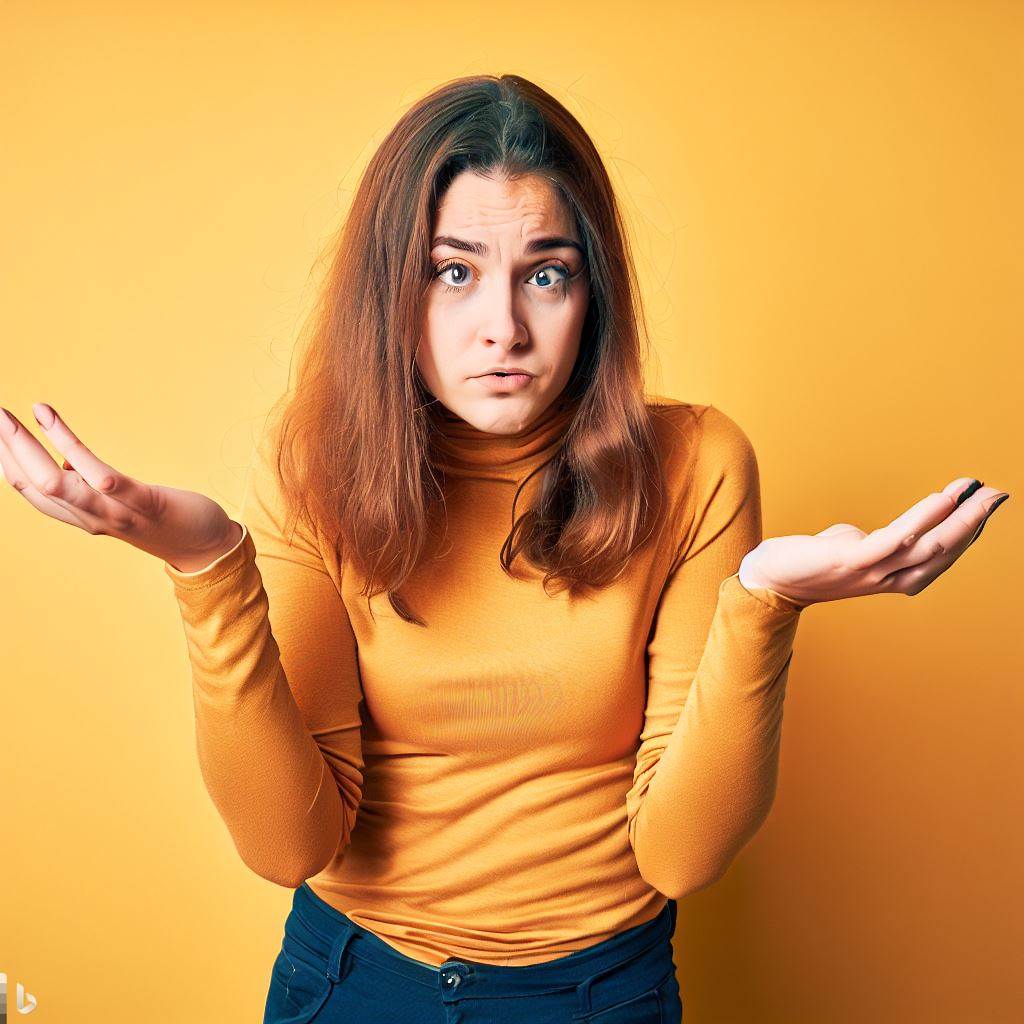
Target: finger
(912,579)
(906,529)
(988,516)
(66,489)
(940,547)
(915,578)
(17,479)
(961,488)
(959,530)
(99,475)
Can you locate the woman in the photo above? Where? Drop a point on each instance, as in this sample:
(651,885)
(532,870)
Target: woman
(487,792)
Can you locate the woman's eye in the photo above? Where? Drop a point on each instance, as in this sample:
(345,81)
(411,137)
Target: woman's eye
(546,273)
(459,280)
(550,277)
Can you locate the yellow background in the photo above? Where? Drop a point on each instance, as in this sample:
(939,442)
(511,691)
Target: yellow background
(826,201)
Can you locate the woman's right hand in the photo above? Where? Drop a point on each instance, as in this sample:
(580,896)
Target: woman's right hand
(186,529)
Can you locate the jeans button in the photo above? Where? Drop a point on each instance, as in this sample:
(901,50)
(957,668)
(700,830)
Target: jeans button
(452,974)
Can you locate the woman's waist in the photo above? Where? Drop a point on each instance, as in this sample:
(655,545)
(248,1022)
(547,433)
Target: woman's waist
(499,926)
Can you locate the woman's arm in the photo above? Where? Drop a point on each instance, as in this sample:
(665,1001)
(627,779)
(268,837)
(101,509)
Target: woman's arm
(276,690)
(718,661)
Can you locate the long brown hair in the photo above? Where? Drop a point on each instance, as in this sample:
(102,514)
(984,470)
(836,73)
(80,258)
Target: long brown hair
(352,441)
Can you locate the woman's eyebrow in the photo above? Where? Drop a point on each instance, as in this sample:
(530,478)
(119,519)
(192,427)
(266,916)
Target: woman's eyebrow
(536,245)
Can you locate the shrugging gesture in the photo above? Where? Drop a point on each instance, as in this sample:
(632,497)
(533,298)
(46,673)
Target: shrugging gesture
(903,557)
(184,528)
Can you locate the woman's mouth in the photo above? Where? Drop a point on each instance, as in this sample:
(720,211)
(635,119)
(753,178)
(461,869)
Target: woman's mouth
(503,382)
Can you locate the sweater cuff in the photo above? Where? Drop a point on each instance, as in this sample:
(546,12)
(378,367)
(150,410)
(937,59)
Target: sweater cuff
(764,595)
(220,568)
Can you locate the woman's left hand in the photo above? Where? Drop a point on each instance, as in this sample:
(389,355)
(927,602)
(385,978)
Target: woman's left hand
(901,558)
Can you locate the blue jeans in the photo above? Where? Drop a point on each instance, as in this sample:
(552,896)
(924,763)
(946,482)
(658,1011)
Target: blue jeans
(333,971)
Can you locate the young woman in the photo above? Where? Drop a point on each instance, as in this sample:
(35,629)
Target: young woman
(492,669)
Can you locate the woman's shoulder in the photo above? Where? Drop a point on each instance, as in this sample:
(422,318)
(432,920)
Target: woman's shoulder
(709,465)
(704,433)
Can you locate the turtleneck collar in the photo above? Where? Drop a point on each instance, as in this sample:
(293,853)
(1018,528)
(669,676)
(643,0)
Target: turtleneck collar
(462,450)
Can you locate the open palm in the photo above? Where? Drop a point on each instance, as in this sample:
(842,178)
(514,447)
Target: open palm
(181,527)
(903,557)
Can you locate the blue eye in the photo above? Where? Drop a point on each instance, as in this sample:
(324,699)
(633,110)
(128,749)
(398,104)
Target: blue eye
(463,269)
(444,268)
(561,270)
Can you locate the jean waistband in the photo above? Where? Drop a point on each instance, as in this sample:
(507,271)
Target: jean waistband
(340,932)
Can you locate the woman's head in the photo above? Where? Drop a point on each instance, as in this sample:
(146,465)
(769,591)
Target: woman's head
(501,159)
(509,290)
(405,320)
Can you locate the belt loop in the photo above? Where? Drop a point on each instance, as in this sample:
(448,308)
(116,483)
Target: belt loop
(337,953)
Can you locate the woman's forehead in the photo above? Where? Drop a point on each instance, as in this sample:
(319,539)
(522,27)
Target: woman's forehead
(528,203)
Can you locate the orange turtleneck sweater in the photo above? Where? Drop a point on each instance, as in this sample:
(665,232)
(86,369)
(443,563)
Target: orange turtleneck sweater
(528,775)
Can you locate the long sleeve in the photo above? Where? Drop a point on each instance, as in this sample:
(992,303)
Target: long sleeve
(276,690)
(718,662)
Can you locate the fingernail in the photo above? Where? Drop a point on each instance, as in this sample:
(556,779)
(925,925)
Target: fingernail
(988,516)
(6,423)
(968,491)
(996,504)
(44,415)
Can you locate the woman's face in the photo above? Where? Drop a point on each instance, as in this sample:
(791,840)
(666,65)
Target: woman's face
(508,292)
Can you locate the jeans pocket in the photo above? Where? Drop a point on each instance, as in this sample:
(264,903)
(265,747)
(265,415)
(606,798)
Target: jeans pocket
(299,984)
(627,992)
(642,1009)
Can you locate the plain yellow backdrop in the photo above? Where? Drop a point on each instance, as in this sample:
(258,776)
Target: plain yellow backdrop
(825,200)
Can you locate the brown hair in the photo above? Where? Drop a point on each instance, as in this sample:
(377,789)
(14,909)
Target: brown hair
(353,441)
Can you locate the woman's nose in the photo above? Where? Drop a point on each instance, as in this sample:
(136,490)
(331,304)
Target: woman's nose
(501,322)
